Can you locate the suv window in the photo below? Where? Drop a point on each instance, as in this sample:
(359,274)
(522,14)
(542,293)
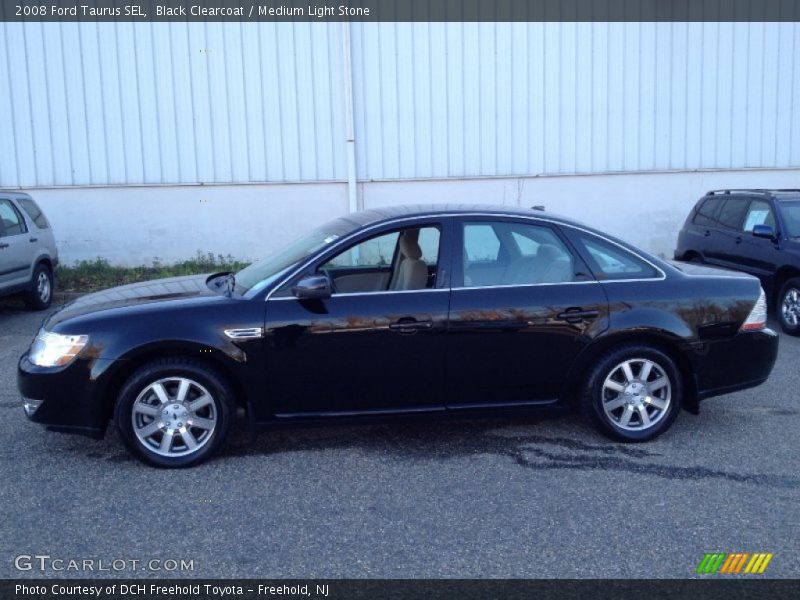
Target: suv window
(505,253)
(34,212)
(13,223)
(610,261)
(706,213)
(732,212)
(759,213)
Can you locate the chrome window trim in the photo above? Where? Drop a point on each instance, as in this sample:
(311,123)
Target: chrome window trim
(375,293)
(534,218)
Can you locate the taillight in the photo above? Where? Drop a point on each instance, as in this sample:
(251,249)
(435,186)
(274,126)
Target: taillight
(757,319)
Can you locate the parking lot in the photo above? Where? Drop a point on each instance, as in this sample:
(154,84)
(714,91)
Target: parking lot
(518,497)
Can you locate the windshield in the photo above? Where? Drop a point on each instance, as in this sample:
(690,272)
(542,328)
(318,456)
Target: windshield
(790,211)
(265,271)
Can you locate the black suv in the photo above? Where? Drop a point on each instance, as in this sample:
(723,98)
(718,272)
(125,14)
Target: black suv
(756,231)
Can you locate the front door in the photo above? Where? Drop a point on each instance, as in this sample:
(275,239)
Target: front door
(523,306)
(377,344)
(758,256)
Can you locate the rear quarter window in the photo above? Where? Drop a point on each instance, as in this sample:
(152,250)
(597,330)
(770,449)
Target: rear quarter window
(609,261)
(706,212)
(34,212)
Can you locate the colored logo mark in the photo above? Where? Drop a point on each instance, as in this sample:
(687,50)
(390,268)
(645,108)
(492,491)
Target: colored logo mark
(734,562)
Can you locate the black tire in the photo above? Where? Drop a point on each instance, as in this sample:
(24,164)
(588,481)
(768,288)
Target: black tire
(39,297)
(695,259)
(171,370)
(609,366)
(791,287)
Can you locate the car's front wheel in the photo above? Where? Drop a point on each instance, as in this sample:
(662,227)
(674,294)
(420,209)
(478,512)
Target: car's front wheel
(174,412)
(789,306)
(633,394)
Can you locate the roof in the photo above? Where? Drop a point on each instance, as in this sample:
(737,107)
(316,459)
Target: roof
(778,194)
(375,215)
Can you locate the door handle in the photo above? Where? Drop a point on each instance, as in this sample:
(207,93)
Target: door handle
(707,233)
(409,325)
(3,246)
(33,240)
(739,240)
(576,315)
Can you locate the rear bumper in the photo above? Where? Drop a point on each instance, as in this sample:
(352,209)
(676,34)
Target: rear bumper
(67,399)
(729,365)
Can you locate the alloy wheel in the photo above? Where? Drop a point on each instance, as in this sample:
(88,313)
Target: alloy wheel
(790,307)
(43,288)
(636,394)
(174,416)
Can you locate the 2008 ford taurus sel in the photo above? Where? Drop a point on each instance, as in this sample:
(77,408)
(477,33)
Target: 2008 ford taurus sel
(440,310)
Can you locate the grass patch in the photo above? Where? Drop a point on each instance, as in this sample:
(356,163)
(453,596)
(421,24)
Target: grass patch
(98,274)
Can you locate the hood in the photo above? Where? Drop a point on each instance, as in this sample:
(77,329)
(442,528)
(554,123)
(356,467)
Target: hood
(136,294)
(698,270)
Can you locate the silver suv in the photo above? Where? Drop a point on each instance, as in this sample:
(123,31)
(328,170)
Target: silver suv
(28,255)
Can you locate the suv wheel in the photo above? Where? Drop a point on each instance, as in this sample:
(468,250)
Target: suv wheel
(789,306)
(633,394)
(40,294)
(174,412)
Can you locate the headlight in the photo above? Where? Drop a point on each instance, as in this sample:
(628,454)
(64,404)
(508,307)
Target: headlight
(55,350)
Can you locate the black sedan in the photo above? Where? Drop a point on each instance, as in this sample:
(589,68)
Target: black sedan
(435,310)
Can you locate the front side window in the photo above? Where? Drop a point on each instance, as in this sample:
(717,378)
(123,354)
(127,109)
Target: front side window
(609,261)
(13,223)
(507,253)
(401,260)
(759,213)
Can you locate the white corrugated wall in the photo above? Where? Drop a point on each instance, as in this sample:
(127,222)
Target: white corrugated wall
(116,104)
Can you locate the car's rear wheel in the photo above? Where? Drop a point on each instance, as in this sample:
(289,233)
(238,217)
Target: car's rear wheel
(40,294)
(174,412)
(789,306)
(633,394)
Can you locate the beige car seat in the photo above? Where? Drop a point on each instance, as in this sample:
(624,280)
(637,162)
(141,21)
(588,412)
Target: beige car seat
(411,272)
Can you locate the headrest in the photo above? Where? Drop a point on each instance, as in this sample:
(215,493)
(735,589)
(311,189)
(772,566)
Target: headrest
(409,247)
(548,252)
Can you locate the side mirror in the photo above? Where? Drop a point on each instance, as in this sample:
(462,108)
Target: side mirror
(764,231)
(313,287)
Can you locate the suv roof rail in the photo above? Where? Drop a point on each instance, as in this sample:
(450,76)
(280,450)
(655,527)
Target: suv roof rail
(766,192)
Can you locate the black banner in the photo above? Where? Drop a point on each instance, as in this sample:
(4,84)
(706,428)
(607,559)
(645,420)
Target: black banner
(745,587)
(400,10)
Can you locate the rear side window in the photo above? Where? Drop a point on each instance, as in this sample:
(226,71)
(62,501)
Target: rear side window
(609,261)
(12,220)
(706,213)
(34,212)
(732,212)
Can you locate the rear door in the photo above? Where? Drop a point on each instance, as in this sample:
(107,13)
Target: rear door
(522,307)
(15,249)
(726,248)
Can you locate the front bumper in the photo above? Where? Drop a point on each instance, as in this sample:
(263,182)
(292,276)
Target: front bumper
(737,363)
(70,399)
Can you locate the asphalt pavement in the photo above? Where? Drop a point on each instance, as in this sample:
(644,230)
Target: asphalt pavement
(516,497)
